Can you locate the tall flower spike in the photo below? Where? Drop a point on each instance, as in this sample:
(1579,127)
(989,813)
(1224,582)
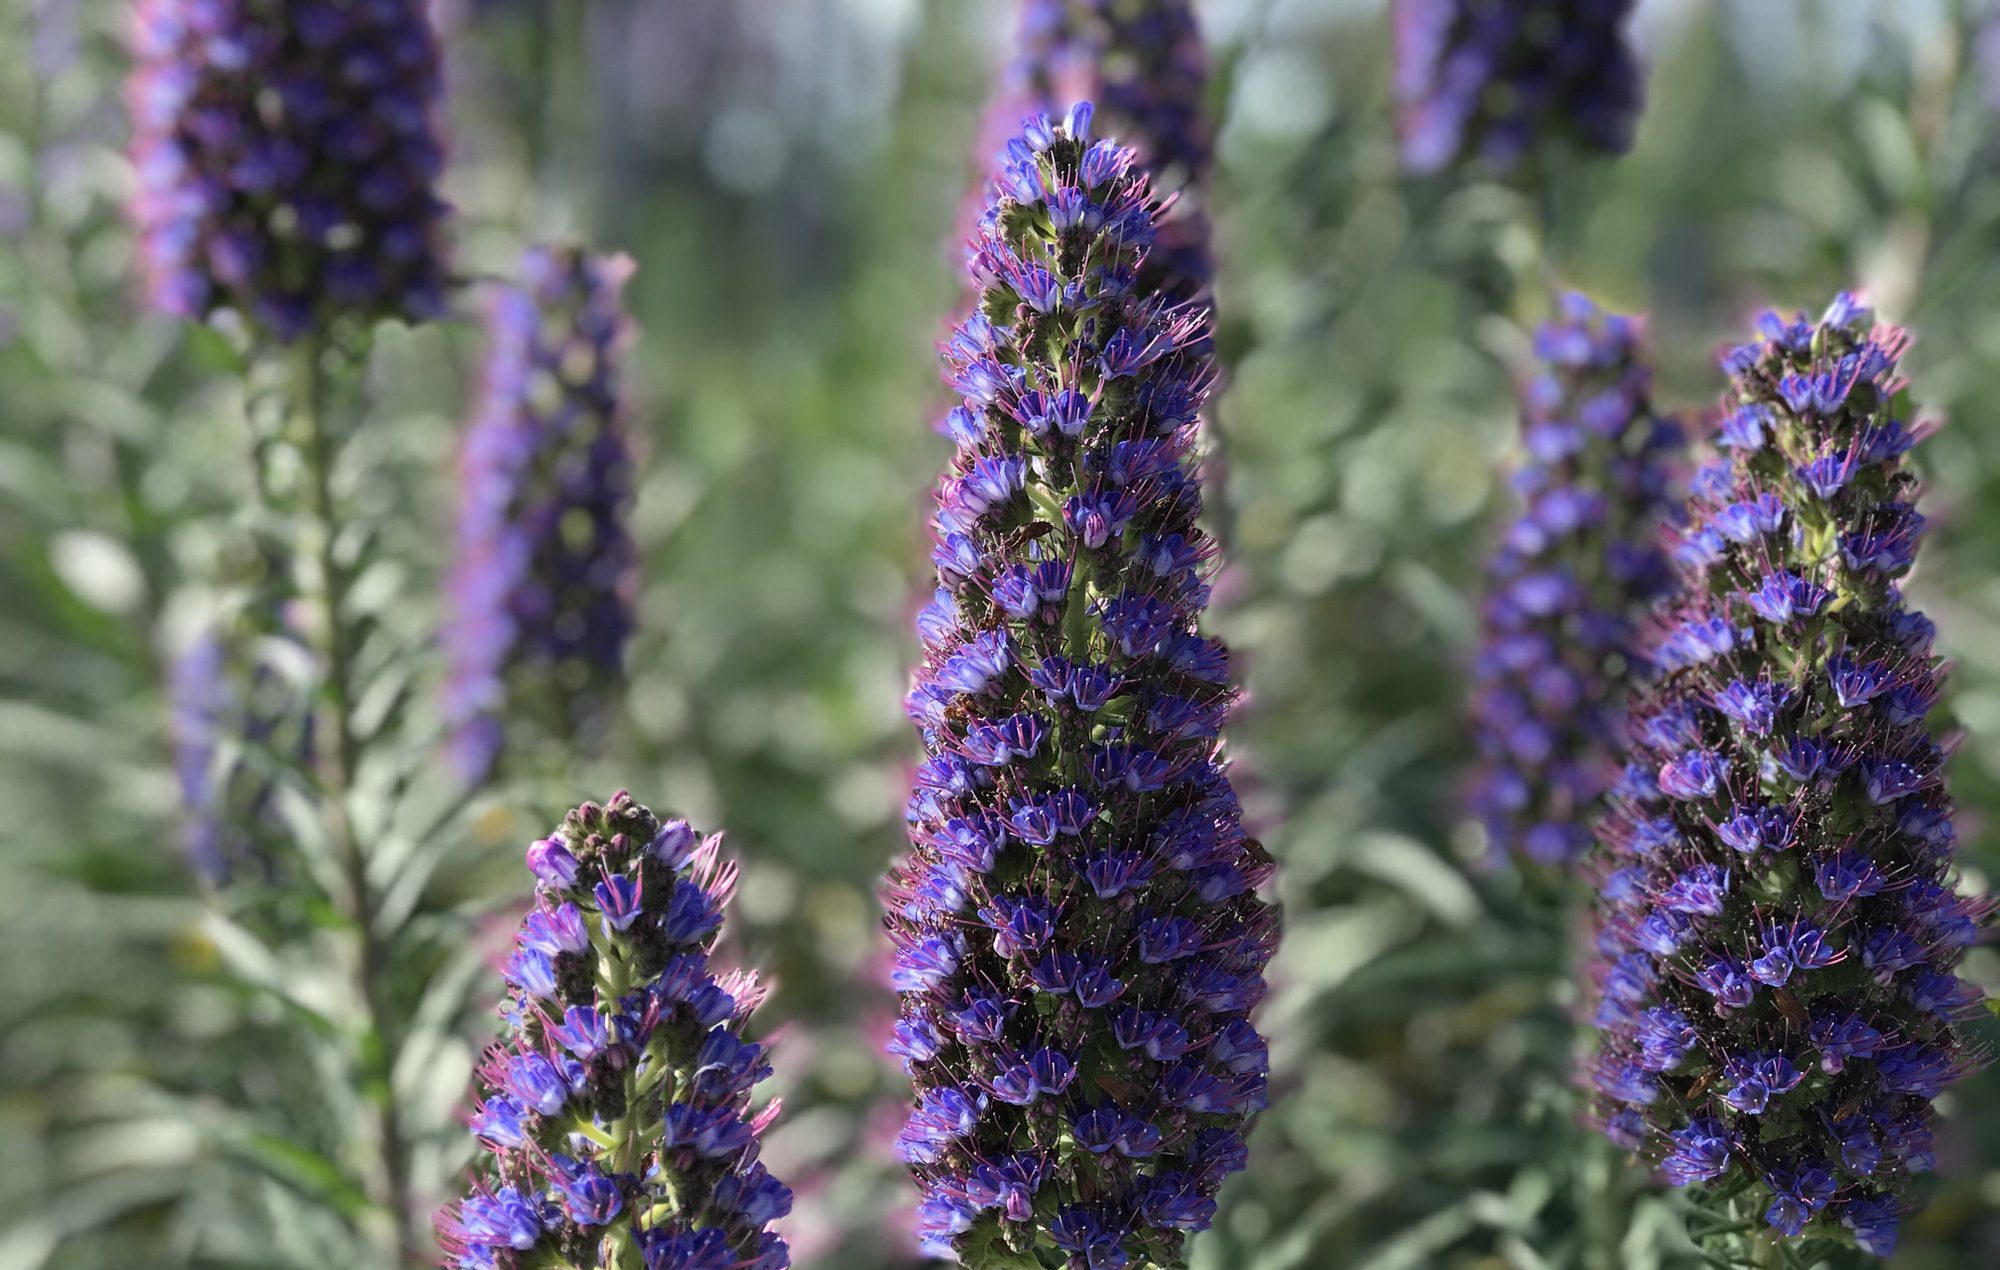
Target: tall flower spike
(614,1115)
(542,584)
(1141,63)
(201,705)
(287,158)
(1777,933)
(214,702)
(1078,938)
(1569,585)
(1492,80)
(1986,57)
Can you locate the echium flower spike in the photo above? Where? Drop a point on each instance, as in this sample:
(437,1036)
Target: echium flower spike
(1777,931)
(1569,585)
(202,708)
(614,1116)
(542,584)
(1493,81)
(1142,66)
(1078,937)
(223,695)
(287,156)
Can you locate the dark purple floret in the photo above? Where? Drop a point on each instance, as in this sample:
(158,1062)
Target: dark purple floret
(287,157)
(617,1104)
(542,584)
(1079,940)
(1569,584)
(1142,66)
(1493,80)
(1776,872)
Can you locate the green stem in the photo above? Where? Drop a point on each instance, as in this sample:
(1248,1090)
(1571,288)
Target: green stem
(325,585)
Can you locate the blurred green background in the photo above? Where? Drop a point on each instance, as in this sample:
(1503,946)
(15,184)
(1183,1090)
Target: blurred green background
(788,175)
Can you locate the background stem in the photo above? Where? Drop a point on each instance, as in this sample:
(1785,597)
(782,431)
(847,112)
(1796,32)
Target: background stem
(326,583)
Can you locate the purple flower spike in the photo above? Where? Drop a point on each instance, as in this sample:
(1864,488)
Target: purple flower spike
(1778,873)
(1493,80)
(1079,937)
(214,700)
(542,584)
(1568,585)
(1143,68)
(635,1039)
(287,159)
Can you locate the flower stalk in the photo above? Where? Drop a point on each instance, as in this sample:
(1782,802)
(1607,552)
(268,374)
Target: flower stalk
(1499,82)
(1778,933)
(614,1116)
(1569,585)
(1078,937)
(324,584)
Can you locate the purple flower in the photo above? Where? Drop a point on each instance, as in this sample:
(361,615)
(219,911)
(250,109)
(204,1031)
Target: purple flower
(1494,82)
(552,862)
(1797,1194)
(1801,922)
(1700,1154)
(688,1191)
(1144,68)
(541,587)
(1581,556)
(287,160)
(220,694)
(504,1218)
(1873,1219)
(1094,961)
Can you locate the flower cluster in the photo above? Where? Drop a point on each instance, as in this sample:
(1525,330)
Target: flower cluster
(542,583)
(287,159)
(200,702)
(1493,79)
(1569,584)
(1142,65)
(1078,937)
(1986,57)
(1777,930)
(214,705)
(617,1109)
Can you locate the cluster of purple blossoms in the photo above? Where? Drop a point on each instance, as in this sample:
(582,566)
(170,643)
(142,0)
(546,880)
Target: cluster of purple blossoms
(1777,932)
(1986,56)
(1491,80)
(617,1109)
(1079,941)
(1569,585)
(1142,66)
(201,705)
(226,805)
(287,159)
(545,569)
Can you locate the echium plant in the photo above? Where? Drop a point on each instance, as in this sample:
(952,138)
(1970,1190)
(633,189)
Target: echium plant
(1777,930)
(217,806)
(615,1114)
(1492,81)
(287,158)
(1078,937)
(542,584)
(1142,66)
(1569,585)
(231,717)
